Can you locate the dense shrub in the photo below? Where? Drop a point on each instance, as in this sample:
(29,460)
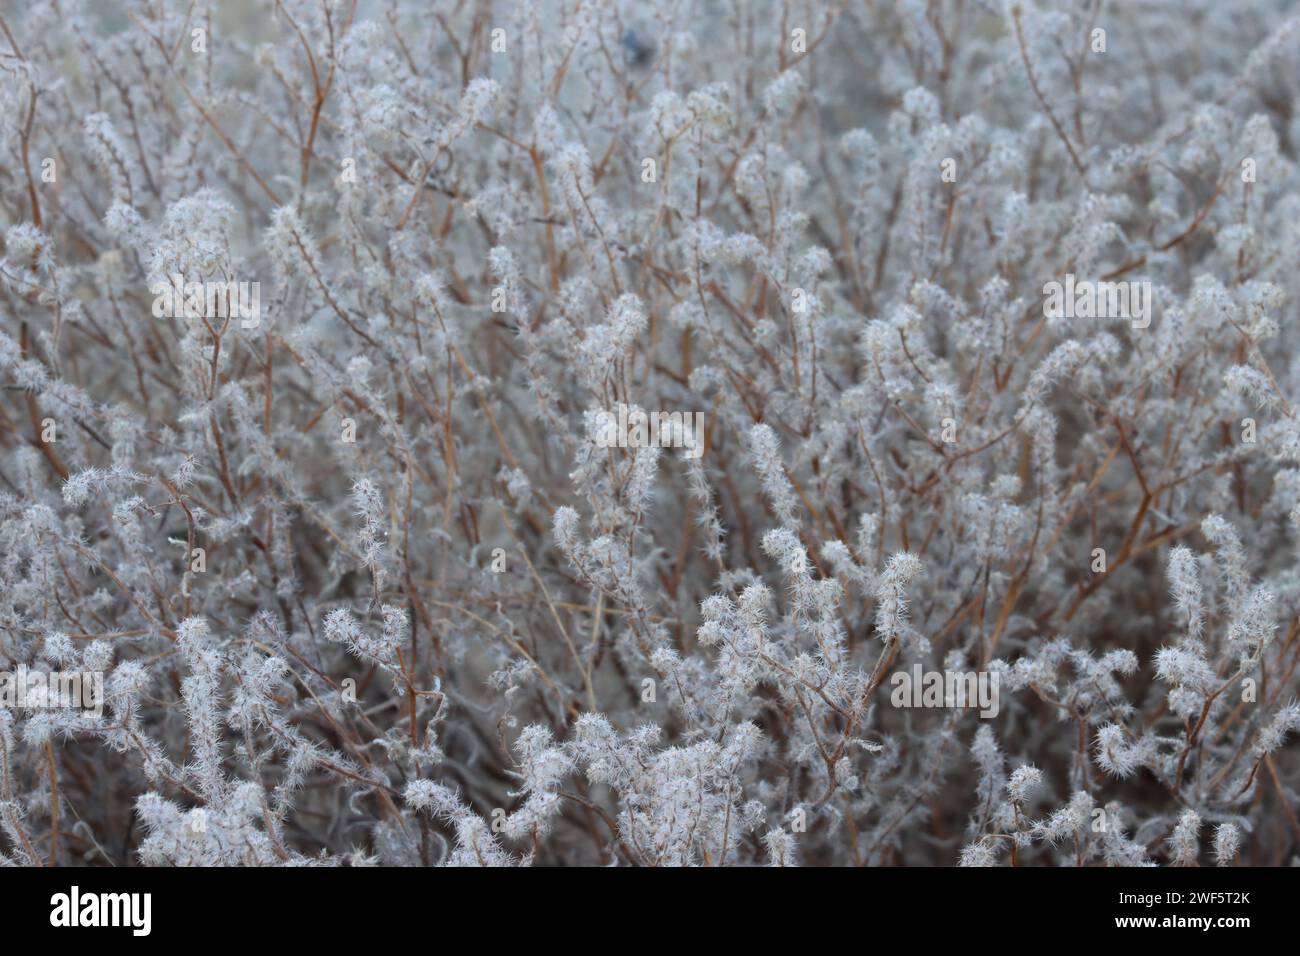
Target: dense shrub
(369,576)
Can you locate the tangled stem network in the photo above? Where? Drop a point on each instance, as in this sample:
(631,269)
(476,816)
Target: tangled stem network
(512,432)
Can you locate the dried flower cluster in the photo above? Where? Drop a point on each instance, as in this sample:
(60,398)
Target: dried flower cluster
(314,315)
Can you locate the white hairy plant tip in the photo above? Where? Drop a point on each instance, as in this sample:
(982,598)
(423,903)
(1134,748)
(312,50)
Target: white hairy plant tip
(1022,782)
(1185,587)
(981,853)
(1184,845)
(891,594)
(1227,841)
(765,454)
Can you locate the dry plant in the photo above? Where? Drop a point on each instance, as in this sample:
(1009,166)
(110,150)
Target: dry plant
(329,336)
